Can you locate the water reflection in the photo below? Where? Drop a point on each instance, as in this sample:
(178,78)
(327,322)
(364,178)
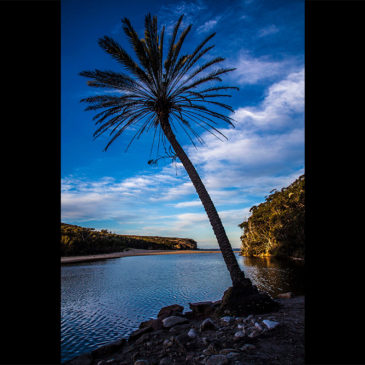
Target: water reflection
(103,301)
(274,275)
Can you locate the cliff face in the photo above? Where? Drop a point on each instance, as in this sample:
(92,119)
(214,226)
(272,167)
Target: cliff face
(276,227)
(77,240)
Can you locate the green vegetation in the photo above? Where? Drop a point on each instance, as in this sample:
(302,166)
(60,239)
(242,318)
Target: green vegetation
(77,240)
(276,227)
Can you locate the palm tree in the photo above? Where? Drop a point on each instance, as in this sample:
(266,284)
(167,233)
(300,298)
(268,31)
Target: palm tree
(163,93)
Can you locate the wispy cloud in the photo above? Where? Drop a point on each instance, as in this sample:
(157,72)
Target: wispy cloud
(208,25)
(270,29)
(251,70)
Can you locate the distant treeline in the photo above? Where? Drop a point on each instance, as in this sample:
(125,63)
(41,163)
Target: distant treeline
(276,227)
(77,240)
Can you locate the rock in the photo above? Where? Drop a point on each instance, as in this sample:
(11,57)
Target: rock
(156,324)
(232,355)
(189,315)
(207,324)
(227,319)
(179,328)
(182,339)
(108,348)
(138,333)
(201,309)
(241,326)
(253,333)
(85,359)
(173,321)
(227,351)
(287,295)
(217,360)
(165,361)
(247,347)
(171,310)
(141,362)
(270,324)
(239,334)
(257,325)
(192,333)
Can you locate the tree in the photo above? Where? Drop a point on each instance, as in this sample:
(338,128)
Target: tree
(161,93)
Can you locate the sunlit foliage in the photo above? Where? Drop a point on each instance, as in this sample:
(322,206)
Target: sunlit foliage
(77,240)
(276,227)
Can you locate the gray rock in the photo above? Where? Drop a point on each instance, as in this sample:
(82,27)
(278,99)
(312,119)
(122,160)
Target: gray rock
(247,347)
(232,355)
(270,324)
(141,362)
(207,324)
(240,334)
(217,360)
(253,333)
(257,325)
(173,321)
(227,319)
(192,333)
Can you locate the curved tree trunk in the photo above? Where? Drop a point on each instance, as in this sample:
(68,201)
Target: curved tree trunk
(237,275)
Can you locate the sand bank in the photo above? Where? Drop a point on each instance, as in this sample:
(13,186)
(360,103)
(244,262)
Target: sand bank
(130,252)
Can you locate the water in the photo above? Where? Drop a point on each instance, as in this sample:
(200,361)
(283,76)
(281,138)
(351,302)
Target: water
(103,301)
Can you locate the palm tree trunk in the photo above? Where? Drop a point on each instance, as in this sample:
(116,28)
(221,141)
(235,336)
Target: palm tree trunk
(237,275)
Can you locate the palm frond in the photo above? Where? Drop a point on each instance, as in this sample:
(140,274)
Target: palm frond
(153,84)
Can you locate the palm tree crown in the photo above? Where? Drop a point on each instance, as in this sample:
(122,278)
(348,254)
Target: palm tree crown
(158,87)
(162,92)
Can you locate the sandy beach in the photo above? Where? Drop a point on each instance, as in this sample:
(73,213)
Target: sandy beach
(130,252)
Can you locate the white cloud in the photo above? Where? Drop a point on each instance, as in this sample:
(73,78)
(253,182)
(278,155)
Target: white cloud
(208,25)
(250,70)
(193,203)
(271,29)
(268,142)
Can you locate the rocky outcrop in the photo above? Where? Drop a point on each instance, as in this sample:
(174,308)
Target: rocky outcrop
(177,338)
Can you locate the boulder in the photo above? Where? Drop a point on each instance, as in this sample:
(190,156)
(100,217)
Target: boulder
(156,324)
(171,310)
(207,324)
(217,360)
(173,321)
(270,324)
(138,333)
(202,309)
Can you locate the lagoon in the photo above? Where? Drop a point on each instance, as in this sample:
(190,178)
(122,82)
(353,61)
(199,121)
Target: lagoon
(103,301)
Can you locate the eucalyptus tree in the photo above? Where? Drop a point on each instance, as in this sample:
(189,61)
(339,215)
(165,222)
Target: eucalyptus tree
(159,91)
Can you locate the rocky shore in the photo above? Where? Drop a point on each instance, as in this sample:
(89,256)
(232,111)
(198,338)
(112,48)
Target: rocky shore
(201,336)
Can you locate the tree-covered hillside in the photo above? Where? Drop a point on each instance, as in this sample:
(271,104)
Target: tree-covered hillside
(77,240)
(276,227)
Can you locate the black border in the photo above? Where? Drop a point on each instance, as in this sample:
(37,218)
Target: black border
(334,64)
(30,265)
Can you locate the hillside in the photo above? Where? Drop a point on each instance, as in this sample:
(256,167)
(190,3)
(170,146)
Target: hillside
(276,227)
(77,240)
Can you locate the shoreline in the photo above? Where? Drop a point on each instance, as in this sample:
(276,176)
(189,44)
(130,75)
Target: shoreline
(130,252)
(204,338)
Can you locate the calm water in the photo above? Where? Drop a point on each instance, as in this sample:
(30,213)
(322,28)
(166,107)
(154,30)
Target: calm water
(106,300)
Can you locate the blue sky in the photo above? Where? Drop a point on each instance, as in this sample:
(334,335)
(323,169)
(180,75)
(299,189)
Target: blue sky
(118,190)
